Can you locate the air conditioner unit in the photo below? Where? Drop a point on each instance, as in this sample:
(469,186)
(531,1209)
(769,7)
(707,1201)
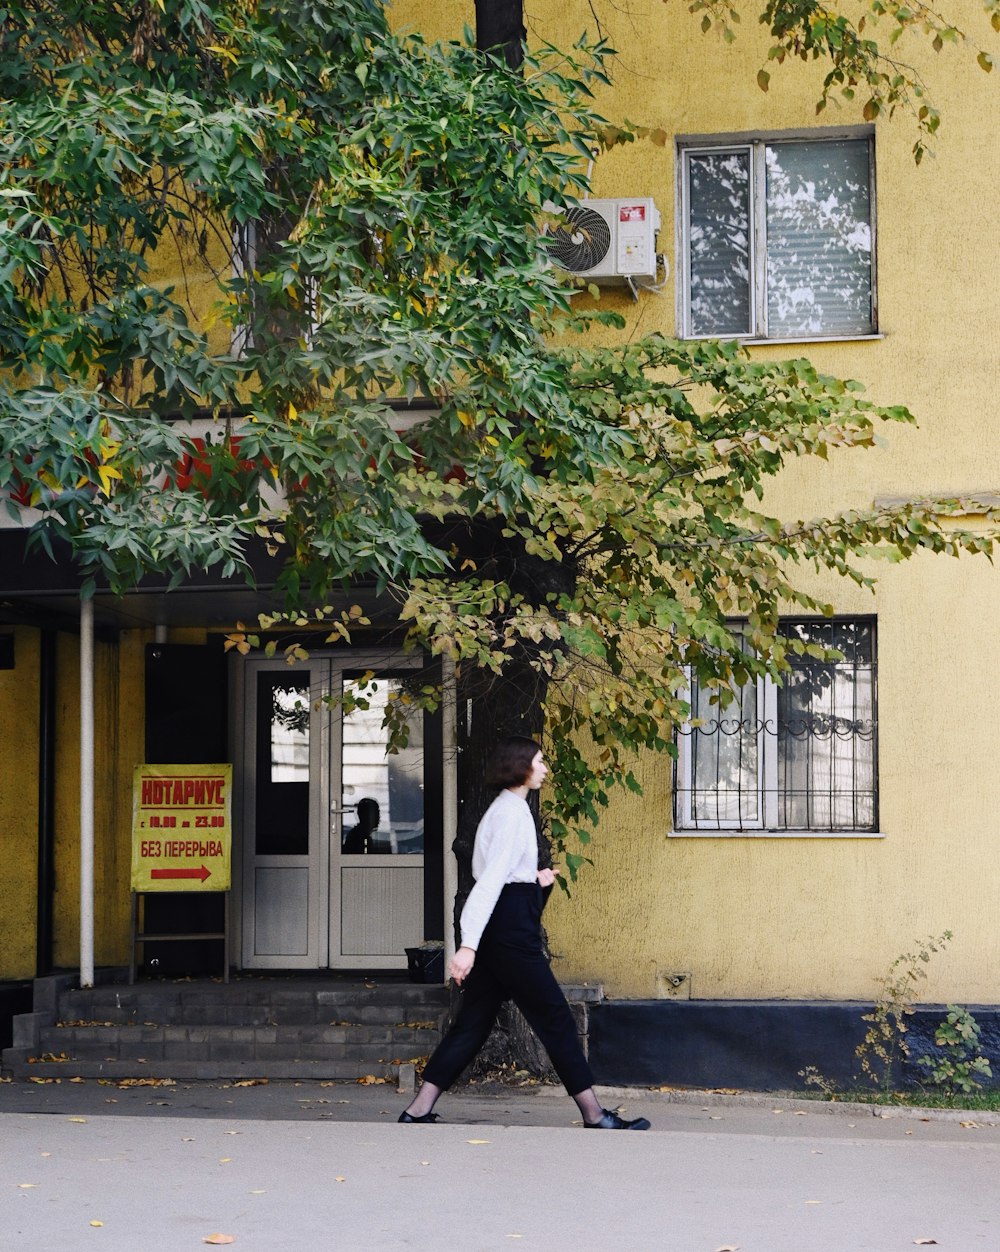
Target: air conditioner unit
(607,241)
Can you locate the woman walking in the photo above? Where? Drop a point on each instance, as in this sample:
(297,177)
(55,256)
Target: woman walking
(501,955)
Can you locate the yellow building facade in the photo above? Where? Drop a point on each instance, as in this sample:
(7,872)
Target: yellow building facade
(753,916)
(667,912)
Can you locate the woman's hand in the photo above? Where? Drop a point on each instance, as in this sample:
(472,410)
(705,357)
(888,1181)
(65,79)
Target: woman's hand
(546,877)
(461,964)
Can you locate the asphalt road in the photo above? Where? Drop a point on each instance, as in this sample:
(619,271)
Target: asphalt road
(288,1166)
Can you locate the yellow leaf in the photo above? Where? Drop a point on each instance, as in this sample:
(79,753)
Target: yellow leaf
(95,1222)
(107,475)
(77,1119)
(479,1141)
(340,1178)
(219,1239)
(25,1186)
(223,52)
(292,412)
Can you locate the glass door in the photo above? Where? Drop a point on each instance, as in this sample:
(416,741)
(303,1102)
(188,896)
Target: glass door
(333,825)
(285,780)
(377,863)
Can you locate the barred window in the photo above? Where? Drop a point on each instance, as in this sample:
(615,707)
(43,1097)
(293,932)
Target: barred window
(796,756)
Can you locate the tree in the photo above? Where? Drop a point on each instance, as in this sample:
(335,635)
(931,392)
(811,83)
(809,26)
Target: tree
(569,525)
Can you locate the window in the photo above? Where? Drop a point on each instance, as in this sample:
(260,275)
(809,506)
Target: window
(799,757)
(778,238)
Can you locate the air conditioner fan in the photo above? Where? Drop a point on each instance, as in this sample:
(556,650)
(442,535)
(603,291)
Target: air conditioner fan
(581,240)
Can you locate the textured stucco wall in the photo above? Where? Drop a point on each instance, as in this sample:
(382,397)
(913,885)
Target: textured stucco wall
(118,746)
(824,917)
(19,808)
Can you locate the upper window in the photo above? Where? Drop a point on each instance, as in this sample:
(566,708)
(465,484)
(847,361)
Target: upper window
(778,239)
(799,757)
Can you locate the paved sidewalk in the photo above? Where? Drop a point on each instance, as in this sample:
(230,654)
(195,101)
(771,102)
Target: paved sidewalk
(289,1166)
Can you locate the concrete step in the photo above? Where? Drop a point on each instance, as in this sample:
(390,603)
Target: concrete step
(281,1015)
(256,1027)
(244,1004)
(120,1070)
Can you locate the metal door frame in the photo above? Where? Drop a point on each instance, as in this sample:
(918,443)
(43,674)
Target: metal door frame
(325,820)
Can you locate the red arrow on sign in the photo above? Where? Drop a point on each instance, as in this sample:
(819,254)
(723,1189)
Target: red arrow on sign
(203,872)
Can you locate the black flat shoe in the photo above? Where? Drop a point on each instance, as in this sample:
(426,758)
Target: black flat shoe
(611,1121)
(427,1117)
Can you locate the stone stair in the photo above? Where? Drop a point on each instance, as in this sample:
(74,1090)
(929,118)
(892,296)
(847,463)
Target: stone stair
(252,1027)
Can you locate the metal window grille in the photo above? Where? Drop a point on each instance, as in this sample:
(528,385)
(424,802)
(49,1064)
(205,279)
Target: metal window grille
(799,755)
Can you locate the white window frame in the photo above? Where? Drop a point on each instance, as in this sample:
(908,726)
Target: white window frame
(756,145)
(766,788)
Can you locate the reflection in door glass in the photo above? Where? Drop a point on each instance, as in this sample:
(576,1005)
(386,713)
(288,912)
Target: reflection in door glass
(383,794)
(282,764)
(289,733)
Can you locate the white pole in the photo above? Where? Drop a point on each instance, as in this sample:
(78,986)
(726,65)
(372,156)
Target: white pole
(86,793)
(449,736)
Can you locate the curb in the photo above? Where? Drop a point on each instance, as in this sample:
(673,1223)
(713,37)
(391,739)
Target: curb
(779,1102)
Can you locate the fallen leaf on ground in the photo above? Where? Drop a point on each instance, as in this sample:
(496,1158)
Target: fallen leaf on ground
(970,1125)
(95,1222)
(340,1178)
(77,1119)
(478,1141)
(225,1160)
(369,1080)
(729,1247)
(251,1082)
(924,1242)
(25,1186)
(219,1239)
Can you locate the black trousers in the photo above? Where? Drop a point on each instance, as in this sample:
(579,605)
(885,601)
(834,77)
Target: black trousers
(510,965)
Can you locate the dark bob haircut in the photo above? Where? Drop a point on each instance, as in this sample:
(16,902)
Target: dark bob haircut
(511,761)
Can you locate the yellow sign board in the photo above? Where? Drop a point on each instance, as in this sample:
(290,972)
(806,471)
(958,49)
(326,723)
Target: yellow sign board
(181,827)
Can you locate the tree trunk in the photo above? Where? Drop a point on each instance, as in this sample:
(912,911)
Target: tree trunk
(500,30)
(490,708)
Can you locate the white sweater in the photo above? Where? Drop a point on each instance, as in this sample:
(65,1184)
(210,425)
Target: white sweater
(506,850)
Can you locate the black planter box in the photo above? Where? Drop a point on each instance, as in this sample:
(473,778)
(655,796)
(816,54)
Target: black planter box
(425,964)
